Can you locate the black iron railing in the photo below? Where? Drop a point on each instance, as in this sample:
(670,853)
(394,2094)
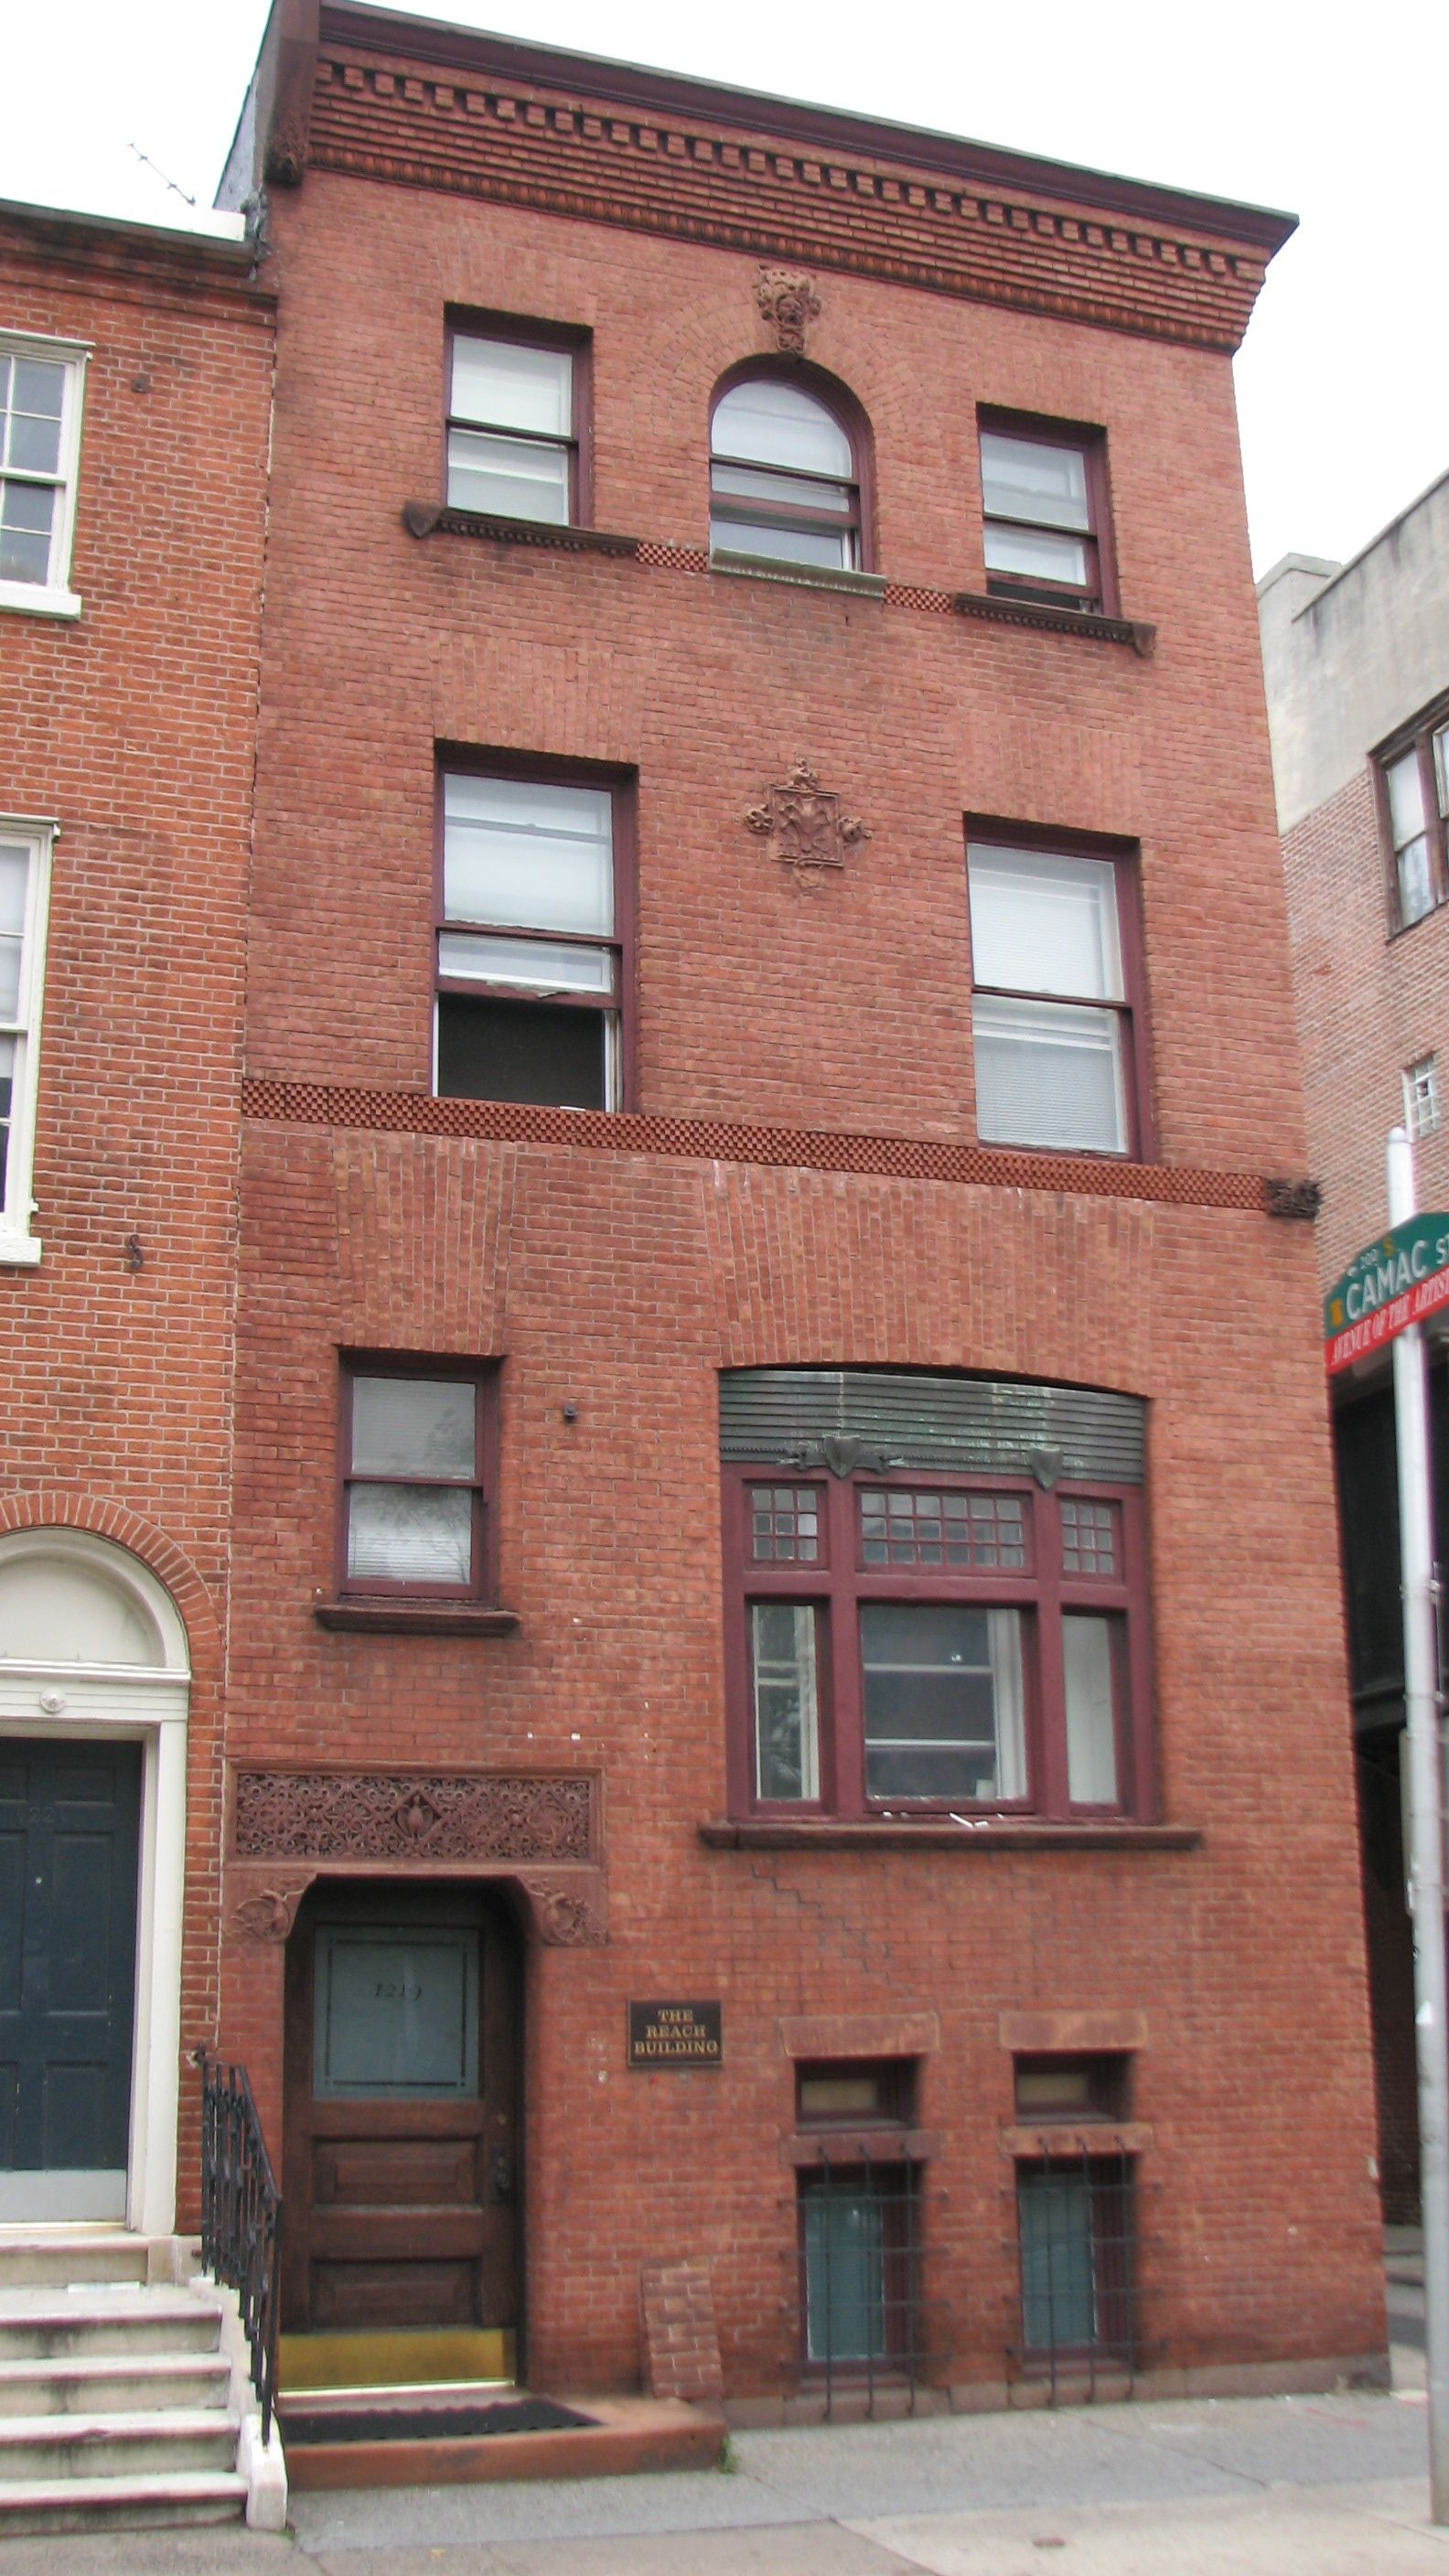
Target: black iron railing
(241,2214)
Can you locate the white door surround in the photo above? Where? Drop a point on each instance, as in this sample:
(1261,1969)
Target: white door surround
(93,1646)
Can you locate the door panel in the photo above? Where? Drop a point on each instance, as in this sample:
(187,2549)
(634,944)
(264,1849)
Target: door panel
(401,2113)
(69,1840)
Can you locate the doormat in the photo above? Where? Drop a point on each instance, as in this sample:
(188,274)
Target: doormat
(428,2423)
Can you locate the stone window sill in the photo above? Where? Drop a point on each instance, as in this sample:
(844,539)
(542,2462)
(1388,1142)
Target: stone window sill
(859,2146)
(31,599)
(800,576)
(20,1251)
(434,518)
(401,1618)
(1057,621)
(1044,2139)
(823,1833)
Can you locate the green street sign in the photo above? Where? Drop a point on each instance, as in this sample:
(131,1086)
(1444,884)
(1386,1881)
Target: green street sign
(1394,1282)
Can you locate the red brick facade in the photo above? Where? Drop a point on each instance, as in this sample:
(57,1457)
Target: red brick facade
(131,727)
(801,1185)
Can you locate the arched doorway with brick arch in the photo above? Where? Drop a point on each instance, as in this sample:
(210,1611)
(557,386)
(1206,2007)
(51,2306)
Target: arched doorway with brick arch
(95,1676)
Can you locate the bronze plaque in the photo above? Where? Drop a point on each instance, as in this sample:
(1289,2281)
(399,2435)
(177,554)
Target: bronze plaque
(675,2034)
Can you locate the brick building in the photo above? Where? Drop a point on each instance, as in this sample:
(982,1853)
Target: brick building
(135,381)
(1356,658)
(782,1600)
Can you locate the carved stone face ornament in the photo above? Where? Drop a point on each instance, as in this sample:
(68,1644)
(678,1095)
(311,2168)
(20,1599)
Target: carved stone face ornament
(789,304)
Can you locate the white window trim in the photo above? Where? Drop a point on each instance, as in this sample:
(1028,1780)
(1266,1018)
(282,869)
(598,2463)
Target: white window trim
(1422,1107)
(54,597)
(18,1246)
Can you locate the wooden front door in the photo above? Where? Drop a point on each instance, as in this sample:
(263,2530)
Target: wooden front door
(69,1834)
(401,2118)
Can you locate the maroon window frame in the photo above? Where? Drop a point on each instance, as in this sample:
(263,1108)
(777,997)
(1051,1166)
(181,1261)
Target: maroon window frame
(1125,861)
(1427,740)
(848,416)
(483,1376)
(619,786)
(836,1583)
(1098,594)
(463,323)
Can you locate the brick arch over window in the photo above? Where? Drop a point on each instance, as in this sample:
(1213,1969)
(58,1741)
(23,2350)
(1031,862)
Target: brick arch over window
(159,1553)
(805,489)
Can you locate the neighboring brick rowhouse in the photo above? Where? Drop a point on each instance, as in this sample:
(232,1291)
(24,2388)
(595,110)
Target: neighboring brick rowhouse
(799,1184)
(132,727)
(681,2345)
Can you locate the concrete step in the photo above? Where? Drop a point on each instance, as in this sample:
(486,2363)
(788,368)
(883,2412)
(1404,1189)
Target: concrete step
(60,2255)
(113,2384)
(44,2448)
(134,2503)
(40,2324)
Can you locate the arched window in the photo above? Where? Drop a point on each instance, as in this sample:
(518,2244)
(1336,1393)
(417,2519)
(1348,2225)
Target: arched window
(783,476)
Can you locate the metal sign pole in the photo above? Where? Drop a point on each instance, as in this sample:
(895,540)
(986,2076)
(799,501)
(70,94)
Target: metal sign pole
(1426,1852)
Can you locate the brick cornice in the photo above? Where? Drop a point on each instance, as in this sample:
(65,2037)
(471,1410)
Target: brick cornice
(381,116)
(417,1113)
(134,264)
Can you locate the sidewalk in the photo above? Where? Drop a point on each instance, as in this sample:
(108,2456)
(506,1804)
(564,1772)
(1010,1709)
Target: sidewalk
(1296,2486)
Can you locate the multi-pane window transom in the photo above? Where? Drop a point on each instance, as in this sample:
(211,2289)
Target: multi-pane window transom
(512,443)
(904,1645)
(40,396)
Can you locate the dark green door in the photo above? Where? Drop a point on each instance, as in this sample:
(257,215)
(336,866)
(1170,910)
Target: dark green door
(69,1826)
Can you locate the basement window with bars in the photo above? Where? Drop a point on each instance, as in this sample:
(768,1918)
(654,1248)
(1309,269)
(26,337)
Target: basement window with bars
(858,2207)
(1076,2214)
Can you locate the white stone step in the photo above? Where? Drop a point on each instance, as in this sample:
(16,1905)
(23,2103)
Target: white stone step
(36,2324)
(48,2447)
(120,2503)
(113,2383)
(64,2254)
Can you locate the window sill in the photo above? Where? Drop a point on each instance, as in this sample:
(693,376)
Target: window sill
(885,2146)
(32,599)
(20,1251)
(824,1833)
(1048,2138)
(856,585)
(415,1618)
(434,518)
(1058,621)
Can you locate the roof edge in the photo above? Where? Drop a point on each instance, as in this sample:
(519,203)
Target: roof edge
(230,251)
(381,29)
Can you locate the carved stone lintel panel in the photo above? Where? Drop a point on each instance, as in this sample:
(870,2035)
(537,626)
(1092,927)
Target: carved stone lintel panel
(806,825)
(399,1815)
(270,1914)
(842,1453)
(1301,1199)
(789,304)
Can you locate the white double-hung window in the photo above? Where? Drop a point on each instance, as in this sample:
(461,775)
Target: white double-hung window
(1051,1008)
(40,410)
(24,895)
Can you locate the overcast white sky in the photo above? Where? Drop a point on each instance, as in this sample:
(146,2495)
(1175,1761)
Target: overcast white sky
(1339,114)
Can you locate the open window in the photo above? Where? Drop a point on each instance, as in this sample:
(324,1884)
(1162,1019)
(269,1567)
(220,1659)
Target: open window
(530,956)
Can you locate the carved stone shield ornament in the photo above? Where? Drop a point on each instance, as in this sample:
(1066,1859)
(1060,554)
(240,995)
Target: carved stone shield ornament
(806,825)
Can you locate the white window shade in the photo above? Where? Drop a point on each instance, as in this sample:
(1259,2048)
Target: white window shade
(507,384)
(1042,923)
(1049,1074)
(767,422)
(520,854)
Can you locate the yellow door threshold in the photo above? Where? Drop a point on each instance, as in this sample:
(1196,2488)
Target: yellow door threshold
(445,2355)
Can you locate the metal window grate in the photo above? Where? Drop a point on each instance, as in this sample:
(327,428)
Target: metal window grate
(860,2276)
(1077,2250)
(967,1425)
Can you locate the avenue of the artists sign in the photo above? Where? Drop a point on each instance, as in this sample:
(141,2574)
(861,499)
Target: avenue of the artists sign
(1395,1281)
